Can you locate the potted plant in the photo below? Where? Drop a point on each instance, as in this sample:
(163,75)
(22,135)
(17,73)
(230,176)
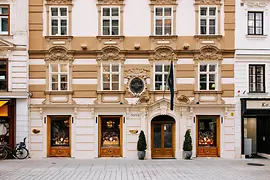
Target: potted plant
(141,146)
(187,146)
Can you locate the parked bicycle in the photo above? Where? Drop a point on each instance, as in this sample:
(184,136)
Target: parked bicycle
(20,151)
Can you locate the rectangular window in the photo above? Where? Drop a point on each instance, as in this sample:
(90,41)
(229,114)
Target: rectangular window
(110,21)
(255,23)
(163,20)
(4,19)
(110,76)
(3,75)
(208,77)
(256,78)
(208,20)
(207,131)
(59,21)
(58,77)
(161,76)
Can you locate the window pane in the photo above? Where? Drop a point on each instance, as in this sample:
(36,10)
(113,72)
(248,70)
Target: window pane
(212,86)
(258,16)
(106,78)
(158,30)
(54,30)
(4,23)
(106,86)
(203,11)
(115,12)
(167,31)
(159,11)
(115,23)
(54,78)
(207,132)
(63,22)
(54,67)
(251,16)
(259,70)
(4,10)
(115,86)
(212,11)
(115,78)
(167,135)
(203,68)
(54,11)
(3,85)
(106,11)
(63,30)
(166,68)
(212,68)
(106,23)
(115,68)
(64,86)
(63,68)
(63,11)
(106,31)
(158,68)
(60,132)
(54,22)
(54,86)
(106,68)
(115,31)
(212,77)
(168,11)
(64,78)
(158,82)
(203,77)
(158,22)
(202,86)
(157,135)
(203,26)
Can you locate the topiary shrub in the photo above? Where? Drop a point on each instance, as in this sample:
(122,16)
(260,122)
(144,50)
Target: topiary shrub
(187,146)
(141,144)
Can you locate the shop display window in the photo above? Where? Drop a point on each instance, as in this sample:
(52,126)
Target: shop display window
(207,132)
(110,132)
(4,130)
(60,131)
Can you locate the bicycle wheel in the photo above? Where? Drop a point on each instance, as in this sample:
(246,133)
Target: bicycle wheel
(3,153)
(21,153)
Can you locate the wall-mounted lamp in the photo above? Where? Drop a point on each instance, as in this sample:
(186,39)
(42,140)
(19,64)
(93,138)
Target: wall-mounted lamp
(84,46)
(137,46)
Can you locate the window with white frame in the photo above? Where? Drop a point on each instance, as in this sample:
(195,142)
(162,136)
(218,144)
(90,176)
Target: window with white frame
(59,21)
(58,77)
(255,23)
(110,76)
(257,78)
(4,19)
(110,21)
(163,20)
(208,77)
(208,20)
(161,75)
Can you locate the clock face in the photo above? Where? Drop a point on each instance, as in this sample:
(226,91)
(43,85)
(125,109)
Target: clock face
(136,85)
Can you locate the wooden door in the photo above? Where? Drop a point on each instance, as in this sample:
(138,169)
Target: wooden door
(263,135)
(110,136)
(59,136)
(162,138)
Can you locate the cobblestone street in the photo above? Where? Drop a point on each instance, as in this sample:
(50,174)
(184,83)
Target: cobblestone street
(110,169)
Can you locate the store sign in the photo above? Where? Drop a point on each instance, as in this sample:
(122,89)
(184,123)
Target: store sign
(258,104)
(136,85)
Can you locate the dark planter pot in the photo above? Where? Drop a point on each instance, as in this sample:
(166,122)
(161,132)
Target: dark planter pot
(141,155)
(187,154)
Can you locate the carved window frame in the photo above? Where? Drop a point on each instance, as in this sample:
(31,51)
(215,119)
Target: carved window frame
(59,3)
(110,55)
(163,4)
(59,55)
(109,4)
(208,55)
(207,3)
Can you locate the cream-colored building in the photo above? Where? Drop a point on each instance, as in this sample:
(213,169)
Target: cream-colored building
(98,73)
(13,71)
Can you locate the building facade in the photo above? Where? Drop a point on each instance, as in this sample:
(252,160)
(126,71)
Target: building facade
(13,71)
(98,72)
(252,77)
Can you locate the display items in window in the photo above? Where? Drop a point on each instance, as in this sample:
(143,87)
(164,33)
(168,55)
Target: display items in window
(207,132)
(110,132)
(60,132)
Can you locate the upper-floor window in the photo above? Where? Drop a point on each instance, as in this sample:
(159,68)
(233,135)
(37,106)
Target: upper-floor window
(4,18)
(255,23)
(161,76)
(208,20)
(58,77)
(110,76)
(163,20)
(110,21)
(256,78)
(3,74)
(59,21)
(208,77)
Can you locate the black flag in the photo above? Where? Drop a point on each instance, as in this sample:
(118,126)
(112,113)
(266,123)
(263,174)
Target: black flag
(171,84)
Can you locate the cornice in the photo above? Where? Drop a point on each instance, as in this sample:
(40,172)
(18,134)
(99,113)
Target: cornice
(59,2)
(110,2)
(163,2)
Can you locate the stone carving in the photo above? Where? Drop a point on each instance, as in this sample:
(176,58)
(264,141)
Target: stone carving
(137,73)
(184,99)
(208,2)
(163,110)
(110,53)
(59,1)
(4,1)
(163,53)
(102,2)
(256,3)
(155,2)
(58,53)
(208,52)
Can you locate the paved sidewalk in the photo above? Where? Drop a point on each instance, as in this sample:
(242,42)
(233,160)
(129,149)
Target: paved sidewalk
(116,169)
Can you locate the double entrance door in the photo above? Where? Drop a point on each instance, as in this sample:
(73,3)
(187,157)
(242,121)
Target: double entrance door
(162,139)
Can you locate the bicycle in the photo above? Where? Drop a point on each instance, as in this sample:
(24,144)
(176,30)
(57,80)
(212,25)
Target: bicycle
(20,151)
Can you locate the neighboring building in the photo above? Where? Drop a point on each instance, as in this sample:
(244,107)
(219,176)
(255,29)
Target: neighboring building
(98,73)
(13,71)
(252,77)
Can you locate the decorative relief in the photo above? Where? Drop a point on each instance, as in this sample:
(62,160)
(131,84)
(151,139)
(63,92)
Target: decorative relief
(137,81)
(110,53)
(59,2)
(256,3)
(58,53)
(183,99)
(163,53)
(208,52)
(207,2)
(109,2)
(4,1)
(165,2)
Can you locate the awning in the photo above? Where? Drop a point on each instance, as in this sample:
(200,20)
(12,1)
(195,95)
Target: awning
(2,103)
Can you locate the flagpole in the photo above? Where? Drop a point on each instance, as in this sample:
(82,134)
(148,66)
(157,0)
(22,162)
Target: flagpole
(172,55)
